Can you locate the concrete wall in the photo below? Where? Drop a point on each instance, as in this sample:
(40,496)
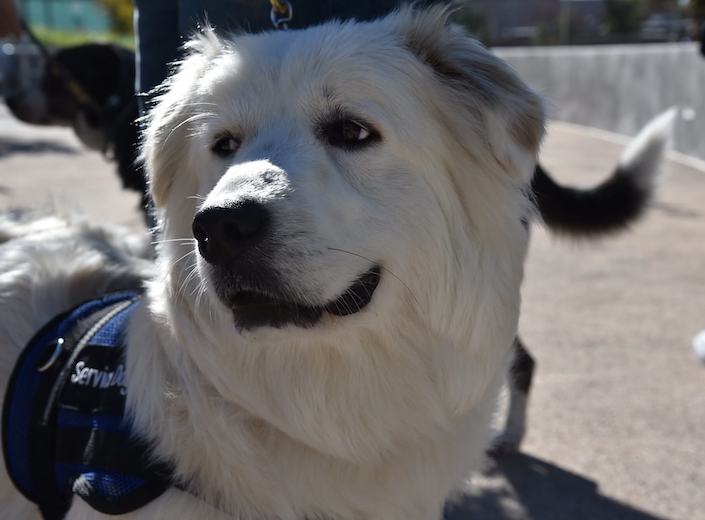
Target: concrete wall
(620,87)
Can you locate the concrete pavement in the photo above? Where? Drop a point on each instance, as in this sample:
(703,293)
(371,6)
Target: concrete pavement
(617,417)
(48,168)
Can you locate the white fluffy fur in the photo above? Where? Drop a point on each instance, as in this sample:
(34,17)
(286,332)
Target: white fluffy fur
(379,415)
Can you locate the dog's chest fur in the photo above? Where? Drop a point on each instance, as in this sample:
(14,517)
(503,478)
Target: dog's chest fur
(250,468)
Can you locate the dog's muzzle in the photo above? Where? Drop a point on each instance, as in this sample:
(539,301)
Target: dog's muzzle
(234,241)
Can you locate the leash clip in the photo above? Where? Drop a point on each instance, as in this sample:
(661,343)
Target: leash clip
(58,347)
(281,14)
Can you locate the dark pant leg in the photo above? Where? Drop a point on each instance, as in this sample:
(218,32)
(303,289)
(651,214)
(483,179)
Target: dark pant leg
(158,42)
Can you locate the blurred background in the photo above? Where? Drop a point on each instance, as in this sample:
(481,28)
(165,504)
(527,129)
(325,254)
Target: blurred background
(71,22)
(601,84)
(570,22)
(496,22)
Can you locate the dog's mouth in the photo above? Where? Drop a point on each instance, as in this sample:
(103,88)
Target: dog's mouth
(253,309)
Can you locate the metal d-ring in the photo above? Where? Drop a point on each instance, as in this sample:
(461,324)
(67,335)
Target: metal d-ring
(54,356)
(281,14)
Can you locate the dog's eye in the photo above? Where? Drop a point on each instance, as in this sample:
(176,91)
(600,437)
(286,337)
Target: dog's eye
(349,134)
(225,146)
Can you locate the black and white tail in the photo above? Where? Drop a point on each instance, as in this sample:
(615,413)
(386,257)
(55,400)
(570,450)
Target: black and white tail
(617,202)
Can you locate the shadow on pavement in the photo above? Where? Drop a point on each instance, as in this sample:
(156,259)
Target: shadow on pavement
(10,146)
(521,487)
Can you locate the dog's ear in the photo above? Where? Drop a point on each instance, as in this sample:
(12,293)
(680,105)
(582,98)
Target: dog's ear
(507,116)
(163,150)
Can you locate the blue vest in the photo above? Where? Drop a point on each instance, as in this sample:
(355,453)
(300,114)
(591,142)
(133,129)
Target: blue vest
(64,427)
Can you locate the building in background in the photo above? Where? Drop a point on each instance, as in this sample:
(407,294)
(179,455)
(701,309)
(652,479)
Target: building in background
(67,15)
(61,23)
(536,21)
(551,22)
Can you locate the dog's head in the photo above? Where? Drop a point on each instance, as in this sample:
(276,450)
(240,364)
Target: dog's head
(341,217)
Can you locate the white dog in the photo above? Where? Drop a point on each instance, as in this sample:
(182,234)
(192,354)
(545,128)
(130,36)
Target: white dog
(332,342)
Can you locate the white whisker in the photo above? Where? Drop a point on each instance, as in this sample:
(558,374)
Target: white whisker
(196,117)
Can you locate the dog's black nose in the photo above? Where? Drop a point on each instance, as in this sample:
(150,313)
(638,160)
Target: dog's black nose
(224,234)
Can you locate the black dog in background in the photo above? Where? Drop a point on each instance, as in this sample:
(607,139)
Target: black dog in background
(91,89)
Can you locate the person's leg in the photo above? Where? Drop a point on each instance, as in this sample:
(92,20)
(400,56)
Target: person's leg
(158,43)
(157,46)
(224,16)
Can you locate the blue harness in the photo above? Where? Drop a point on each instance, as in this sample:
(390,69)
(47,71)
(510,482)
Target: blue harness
(64,429)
